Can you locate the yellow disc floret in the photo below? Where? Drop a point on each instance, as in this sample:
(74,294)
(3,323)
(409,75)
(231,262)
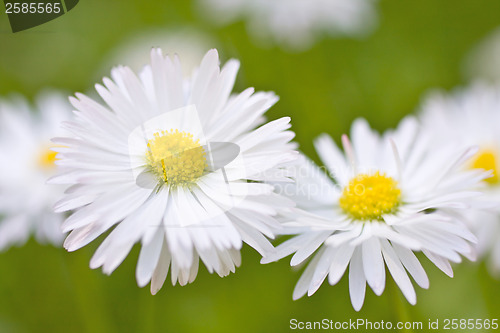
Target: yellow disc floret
(47,158)
(369,197)
(176,158)
(488,160)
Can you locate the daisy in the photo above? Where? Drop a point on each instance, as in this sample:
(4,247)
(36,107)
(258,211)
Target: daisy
(175,164)
(188,43)
(391,196)
(471,116)
(483,61)
(27,161)
(295,23)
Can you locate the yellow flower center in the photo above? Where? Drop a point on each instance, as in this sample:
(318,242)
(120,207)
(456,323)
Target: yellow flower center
(369,197)
(487,160)
(176,158)
(47,158)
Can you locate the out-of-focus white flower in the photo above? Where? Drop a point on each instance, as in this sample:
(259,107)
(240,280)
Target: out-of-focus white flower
(176,164)
(467,117)
(392,195)
(295,23)
(26,161)
(189,44)
(483,62)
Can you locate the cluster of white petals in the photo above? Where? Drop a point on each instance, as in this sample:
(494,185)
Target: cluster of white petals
(296,23)
(408,197)
(26,162)
(471,116)
(142,163)
(192,171)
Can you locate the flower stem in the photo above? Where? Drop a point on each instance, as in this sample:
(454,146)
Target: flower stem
(88,293)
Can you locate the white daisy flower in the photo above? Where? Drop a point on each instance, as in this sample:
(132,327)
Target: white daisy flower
(483,61)
(295,23)
(176,165)
(27,161)
(392,195)
(188,43)
(467,117)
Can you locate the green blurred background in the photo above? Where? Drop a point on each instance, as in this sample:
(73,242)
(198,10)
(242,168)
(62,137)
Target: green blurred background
(418,45)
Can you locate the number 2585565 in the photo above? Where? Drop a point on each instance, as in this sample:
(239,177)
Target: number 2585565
(32,8)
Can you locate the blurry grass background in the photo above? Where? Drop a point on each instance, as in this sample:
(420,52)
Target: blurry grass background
(418,45)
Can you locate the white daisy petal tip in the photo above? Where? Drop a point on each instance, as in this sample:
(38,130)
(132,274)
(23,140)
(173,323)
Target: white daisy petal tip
(154,291)
(69,246)
(412,298)
(212,54)
(357,303)
(320,138)
(268,259)
(95,264)
(298,292)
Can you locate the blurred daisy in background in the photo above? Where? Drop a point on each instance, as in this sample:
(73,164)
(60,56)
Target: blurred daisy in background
(26,162)
(391,196)
(176,164)
(471,116)
(188,43)
(296,24)
(483,61)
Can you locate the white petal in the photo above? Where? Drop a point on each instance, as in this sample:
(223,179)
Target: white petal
(339,263)
(373,265)
(161,270)
(365,142)
(333,158)
(398,272)
(440,262)
(148,259)
(357,281)
(412,265)
(322,269)
(307,249)
(256,240)
(305,279)
(288,247)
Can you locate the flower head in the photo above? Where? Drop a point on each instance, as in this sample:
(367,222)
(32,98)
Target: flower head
(471,116)
(483,60)
(296,23)
(177,165)
(27,161)
(388,197)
